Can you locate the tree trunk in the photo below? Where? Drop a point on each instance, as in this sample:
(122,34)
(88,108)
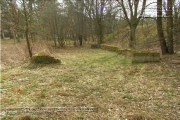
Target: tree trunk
(176,28)
(160,33)
(54,31)
(100,41)
(54,39)
(177,35)
(132,17)
(27,40)
(27,30)
(99,19)
(17,38)
(2,37)
(132,42)
(170,27)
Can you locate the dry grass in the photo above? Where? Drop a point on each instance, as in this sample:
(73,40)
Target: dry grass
(13,54)
(146,38)
(94,78)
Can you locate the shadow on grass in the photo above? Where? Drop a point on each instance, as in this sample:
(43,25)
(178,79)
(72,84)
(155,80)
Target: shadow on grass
(31,66)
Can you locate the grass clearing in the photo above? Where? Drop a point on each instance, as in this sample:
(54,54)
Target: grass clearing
(94,78)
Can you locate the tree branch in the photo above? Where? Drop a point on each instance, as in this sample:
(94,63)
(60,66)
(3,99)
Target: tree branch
(125,12)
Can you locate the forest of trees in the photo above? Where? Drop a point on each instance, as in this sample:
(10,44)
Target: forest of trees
(79,21)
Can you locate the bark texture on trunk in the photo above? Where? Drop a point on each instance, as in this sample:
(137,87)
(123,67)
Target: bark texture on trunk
(170,27)
(27,29)
(132,42)
(160,32)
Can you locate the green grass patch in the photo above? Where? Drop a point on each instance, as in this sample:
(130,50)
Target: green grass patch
(93,78)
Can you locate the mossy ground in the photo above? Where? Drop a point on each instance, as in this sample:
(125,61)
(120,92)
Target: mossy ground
(44,59)
(95,78)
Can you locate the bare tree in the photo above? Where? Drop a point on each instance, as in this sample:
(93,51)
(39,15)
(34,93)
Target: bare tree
(133,18)
(166,46)
(12,18)
(177,25)
(160,32)
(170,26)
(99,20)
(24,4)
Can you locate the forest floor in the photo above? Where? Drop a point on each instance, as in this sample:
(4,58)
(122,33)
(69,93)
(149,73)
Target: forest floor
(92,78)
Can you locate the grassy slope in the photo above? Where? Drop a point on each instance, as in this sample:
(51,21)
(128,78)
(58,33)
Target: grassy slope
(146,37)
(96,78)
